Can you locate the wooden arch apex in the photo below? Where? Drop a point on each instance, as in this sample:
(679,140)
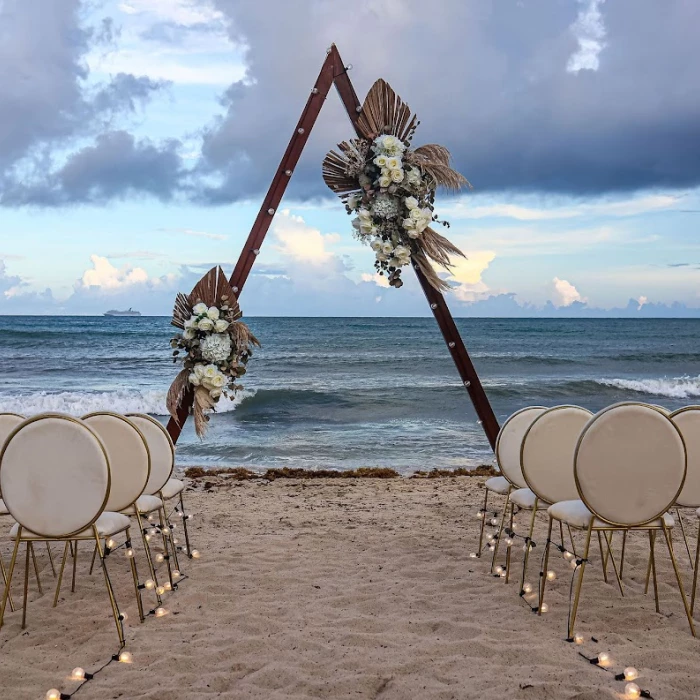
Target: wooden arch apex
(334,72)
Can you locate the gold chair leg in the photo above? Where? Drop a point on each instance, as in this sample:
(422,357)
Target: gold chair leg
(75,565)
(622,555)
(4,581)
(110,591)
(92,563)
(685,537)
(561,534)
(499,536)
(609,554)
(13,561)
(60,573)
(171,534)
(603,560)
(678,579)
(571,537)
(652,562)
(483,522)
(526,558)
(50,553)
(36,570)
(188,548)
(168,554)
(26,584)
(579,583)
(543,572)
(149,556)
(695,573)
(135,576)
(508,549)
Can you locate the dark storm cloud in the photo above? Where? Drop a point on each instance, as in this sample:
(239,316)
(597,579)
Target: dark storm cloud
(45,106)
(488,79)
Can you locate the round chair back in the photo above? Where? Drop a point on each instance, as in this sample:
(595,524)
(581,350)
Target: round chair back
(509,441)
(687,420)
(630,464)
(8,422)
(161,448)
(547,454)
(54,473)
(129,458)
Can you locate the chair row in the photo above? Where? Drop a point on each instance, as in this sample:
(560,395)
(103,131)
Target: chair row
(70,480)
(620,470)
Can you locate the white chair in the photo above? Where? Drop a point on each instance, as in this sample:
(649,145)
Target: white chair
(507,451)
(687,420)
(547,467)
(130,465)
(162,453)
(55,478)
(629,466)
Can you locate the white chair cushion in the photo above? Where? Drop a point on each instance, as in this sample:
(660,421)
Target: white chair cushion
(147,504)
(172,488)
(576,514)
(3,508)
(498,484)
(107,524)
(525,498)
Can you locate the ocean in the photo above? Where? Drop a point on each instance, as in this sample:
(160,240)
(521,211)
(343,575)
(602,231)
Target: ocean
(351,392)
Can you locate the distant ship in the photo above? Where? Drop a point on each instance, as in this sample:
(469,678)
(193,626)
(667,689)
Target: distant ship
(129,312)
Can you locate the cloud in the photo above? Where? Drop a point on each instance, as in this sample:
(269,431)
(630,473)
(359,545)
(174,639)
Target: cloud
(564,293)
(136,254)
(105,276)
(300,242)
(642,301)
(467,274)
(589,31)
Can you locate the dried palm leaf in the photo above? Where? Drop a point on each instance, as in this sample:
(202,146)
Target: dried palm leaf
(438,248)
(434,160)
(384,112)
(176,393)
(202,402)
(182,311)
(419,258)
(341,170)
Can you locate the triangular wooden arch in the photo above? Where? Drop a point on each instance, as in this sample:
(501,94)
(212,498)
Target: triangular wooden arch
(334,72)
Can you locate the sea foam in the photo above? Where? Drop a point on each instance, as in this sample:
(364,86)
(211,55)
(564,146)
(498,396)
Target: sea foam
(674,388)
(78,403)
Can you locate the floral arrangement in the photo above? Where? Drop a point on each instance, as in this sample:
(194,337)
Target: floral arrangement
(214,347)
(390,188)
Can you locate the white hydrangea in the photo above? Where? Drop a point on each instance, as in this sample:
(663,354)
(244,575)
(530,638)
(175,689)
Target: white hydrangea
(386,206)
(216,347)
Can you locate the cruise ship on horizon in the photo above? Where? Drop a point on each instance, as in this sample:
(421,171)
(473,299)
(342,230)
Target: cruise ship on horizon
(128,312)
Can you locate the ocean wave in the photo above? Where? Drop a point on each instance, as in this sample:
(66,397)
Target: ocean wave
(78,403)
(674,388)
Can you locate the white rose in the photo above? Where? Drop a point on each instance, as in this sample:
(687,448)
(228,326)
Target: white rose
(364,214)
(215,393)
(366,227)
(381,257)
(397,175)
(220,326)
(213,313)
(200,309)
(401,251)
(206,324)
(384,181)
(416,214)
(190,322)
(394,262)
(393,163)
(413,177)
(387,248)
(194,379)
(380,161)
(413,233)
(411,203)
(188,334)
(376,246)
(199,370)
(210,371)
(427,213)
(218,381)
(421,225)
(354,201)
(408,224)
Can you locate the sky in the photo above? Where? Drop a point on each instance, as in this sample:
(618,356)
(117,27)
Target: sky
(138,137)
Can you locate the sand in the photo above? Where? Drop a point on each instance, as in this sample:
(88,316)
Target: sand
(349,589)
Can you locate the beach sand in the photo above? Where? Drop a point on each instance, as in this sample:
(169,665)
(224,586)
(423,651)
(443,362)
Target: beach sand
(357,588)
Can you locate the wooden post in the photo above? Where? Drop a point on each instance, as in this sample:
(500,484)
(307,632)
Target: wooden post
(332,72)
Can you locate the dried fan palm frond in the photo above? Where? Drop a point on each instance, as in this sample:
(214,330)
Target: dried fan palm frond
(202,402)
(384,112)
(434,160)
(341,170)
(211,287)
(182,311)
(419,258)
(176,393)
